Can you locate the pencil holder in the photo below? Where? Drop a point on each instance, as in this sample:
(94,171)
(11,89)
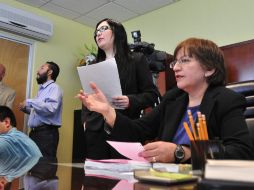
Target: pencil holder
(201,150)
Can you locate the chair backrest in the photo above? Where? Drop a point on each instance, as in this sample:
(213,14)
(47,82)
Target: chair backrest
(250,123)
(247,89)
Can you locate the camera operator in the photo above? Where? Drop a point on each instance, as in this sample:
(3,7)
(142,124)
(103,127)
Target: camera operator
(156,59)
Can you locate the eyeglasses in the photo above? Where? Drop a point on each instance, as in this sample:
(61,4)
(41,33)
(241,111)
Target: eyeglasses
(101,29)
(183,60)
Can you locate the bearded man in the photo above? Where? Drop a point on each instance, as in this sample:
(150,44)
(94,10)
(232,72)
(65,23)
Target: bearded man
(45,110)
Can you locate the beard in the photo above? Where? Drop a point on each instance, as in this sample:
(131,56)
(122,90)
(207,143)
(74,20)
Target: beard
(42,78)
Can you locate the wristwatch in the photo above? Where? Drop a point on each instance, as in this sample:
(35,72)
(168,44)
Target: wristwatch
(179,153)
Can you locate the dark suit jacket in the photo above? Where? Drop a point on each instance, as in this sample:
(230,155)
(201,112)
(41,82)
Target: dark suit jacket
(7,95)
(222,107)
(137,84)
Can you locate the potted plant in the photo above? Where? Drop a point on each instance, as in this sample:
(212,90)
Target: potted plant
(90,57)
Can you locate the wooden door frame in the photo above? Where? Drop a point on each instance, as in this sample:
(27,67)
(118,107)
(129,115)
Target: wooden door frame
(30,43)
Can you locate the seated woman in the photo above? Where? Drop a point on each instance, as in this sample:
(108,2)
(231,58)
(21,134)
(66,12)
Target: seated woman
(200,75)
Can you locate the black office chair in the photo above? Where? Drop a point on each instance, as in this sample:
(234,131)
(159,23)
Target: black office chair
(247,89)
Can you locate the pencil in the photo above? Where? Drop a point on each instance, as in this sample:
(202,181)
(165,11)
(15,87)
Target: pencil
(198,132)
(188,131)
(205,127)
(192,124)
(201,127)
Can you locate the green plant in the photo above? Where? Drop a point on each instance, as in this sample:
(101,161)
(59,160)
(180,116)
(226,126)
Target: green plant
(90,56)
(91,50)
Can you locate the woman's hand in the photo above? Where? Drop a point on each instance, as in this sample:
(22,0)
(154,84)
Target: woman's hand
(121,101)
(161,151)
(97,102)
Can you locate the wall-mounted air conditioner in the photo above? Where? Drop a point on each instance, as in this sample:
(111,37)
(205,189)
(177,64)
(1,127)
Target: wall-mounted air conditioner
(24,23)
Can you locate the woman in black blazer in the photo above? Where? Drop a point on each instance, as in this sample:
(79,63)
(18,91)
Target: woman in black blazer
(200,75)
(138,89)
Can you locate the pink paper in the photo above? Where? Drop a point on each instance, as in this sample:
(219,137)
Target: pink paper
(123,184)
(122,161)
(129,149)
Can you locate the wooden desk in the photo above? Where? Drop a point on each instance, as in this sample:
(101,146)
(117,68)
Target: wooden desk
(71,176)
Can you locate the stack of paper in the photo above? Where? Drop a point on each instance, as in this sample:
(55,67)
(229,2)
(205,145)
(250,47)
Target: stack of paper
(231,170)
(122,169)
(119,168)
(119,165)
(109,174)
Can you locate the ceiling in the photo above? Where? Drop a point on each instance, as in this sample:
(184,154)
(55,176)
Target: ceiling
(89,12)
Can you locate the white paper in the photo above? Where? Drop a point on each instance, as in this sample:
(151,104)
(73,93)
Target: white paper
(105,75)
(120,165)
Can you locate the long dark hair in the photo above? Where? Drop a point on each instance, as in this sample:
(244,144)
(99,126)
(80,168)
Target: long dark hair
(121,47)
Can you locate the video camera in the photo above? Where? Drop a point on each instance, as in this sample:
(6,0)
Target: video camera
(156,59)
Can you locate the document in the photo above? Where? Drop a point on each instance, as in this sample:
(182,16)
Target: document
(130,150)
(105,75)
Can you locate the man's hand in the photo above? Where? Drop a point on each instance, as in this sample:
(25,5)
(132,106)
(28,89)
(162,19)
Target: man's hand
(22,105)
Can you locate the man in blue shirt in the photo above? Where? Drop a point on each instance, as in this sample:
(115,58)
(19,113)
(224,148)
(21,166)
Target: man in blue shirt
(45,110)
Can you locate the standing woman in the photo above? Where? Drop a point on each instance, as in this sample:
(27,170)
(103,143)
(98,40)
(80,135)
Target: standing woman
(138,89)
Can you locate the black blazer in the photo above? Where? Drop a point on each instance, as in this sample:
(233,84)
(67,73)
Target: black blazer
(222,107)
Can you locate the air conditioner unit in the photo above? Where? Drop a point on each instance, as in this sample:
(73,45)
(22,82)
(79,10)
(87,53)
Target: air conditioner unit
(24,23)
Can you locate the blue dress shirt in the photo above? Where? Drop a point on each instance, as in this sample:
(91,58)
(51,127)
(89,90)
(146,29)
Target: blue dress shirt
(17,143)
(16,166)
(181,136)
(46,107)
(18,154)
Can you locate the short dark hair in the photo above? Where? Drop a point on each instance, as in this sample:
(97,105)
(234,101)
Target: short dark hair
(55,68)
(6,112)
(209,55)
